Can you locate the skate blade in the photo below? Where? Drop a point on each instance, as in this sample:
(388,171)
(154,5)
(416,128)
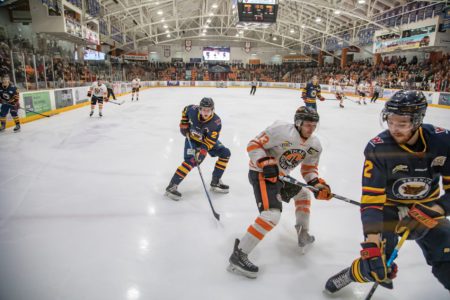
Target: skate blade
(236,270)
(217,190)
(171,196)
(305,248)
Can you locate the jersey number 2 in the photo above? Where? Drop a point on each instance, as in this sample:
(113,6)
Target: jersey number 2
(368,166)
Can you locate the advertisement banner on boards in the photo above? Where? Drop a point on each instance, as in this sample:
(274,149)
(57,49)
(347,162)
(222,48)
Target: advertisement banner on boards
(444,99)
(63,98)
(38,102)
(80,94)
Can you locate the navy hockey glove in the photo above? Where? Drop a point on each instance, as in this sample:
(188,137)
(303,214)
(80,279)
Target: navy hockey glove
(371,266)
(270,168)
(200,155)
(419,221)
(323,189)
(184,128)
(304,96)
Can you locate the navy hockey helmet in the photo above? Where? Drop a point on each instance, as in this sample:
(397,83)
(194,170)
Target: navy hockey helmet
(305,113)
(207,103)
(407,103)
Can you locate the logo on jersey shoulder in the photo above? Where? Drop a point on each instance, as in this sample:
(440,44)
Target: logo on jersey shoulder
(292,158)
(286,144)
(400,168)
(377,140)
(412,188)
(439,130)
(439,161)
(218,122)
(312,151)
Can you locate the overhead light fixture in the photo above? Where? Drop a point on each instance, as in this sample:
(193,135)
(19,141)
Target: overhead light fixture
(160,12)
(318,20)
(208,21)
(152,52)
(246,27)
(204,30)
(168,35)
(163,20)
(253,54)
(167,31)
(203,34)
(361,1)
(292,31)
(165,26)
(274,38)
(211,14)
(337,12)
(214,5)
(241,31)
(157,3)
(237,34)
(293,53)
(303,26)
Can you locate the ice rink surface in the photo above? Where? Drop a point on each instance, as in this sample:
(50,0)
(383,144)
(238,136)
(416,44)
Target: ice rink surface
(83,213)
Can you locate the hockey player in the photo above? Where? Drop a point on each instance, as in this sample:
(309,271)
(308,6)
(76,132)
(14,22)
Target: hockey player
(98,92)
(362,92)
(135,86)
(340,93)
(9,96)
(400,190)
(202,127)
(278,150)
(310,92)
(254,84)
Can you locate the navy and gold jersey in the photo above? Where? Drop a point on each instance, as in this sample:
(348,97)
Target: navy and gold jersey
(9,94)
(311,91)
(396,174)
(205,132)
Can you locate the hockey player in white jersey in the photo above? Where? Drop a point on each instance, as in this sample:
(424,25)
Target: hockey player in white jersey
(135,86)
(99,93)
(277,151)
(340,93)
(362,91)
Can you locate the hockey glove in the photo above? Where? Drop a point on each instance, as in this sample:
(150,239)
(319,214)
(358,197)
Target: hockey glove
(304,96)
(89,94)
(323,189)
(419,221)
(200,155)
(184,128)
(371,266)
(106,99)
(321,98)
(270,168)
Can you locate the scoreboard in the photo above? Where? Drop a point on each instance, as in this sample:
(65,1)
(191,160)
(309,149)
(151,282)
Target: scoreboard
(257,11)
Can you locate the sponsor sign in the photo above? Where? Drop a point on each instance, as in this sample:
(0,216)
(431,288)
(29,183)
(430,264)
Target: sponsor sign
(63,98)
(38,102)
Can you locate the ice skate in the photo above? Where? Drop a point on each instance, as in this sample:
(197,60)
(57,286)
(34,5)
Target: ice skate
(218,187)
(172,192)
(240,264)
(100,114)
(91,113)
(17,128)
(304,238)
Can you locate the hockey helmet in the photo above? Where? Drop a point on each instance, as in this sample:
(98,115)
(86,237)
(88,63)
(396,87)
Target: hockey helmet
(407,103)
(207,103)
(305,113)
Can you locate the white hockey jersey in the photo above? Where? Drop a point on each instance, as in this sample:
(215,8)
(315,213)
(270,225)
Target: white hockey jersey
(99,91)
(282,141)
(136,83)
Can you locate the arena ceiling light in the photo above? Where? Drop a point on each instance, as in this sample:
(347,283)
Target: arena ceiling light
(361,1)
(160,12)
(292,31)
(337,12)
(211,14)
(214,5)
(204,30)
(168,35)
(274,38)
(318,20)
(208,21)
(165,26)
(167,31)
(303,26)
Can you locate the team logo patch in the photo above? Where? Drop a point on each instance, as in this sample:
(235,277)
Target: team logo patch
(438,161)
(286,144)
(292,158)
(6,96)
(377,140)
(217,122)
(439,130)
(412,188)
(312,151)
(400,168)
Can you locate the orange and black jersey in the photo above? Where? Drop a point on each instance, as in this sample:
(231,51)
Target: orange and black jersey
(205,132)
(396,174)
(9,94)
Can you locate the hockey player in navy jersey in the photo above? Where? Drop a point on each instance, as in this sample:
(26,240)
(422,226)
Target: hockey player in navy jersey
(9,96)
(311,92)
(400,190)
(202,127)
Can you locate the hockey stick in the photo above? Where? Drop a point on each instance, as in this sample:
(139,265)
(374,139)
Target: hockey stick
(29,110)
(116,102)
(216,215)
(298,183)
(389,263)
